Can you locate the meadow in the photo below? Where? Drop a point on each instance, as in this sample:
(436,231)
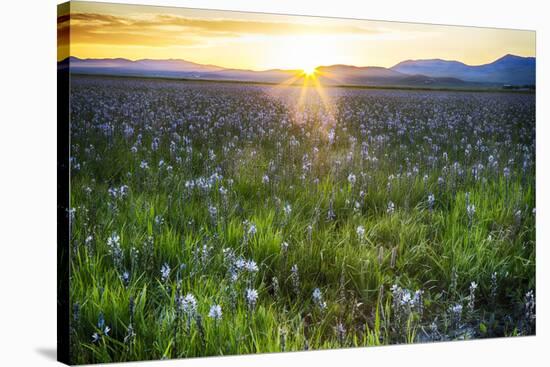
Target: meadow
(218,218)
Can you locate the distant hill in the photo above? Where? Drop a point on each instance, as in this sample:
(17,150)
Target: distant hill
(509,69)
(146,67)
(379,76)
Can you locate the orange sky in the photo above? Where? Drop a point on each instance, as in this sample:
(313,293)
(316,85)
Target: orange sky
(262,41)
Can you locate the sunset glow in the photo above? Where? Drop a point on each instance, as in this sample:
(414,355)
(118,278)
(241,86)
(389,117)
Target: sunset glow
(262,41)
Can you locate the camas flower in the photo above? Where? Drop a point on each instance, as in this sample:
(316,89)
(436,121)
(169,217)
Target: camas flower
(251,230)
(360,232)
(250,266)
(103,329)
(284,247)
(391,208)
(318,299)
(125,278)
(215,312)
(287,209)
(188,304)
(251,296)
(165,271)
(471,210)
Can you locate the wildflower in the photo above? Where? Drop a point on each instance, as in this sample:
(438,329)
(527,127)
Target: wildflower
(265,179)
(251,296)
(113,242)
(250,266)
(360,232)
(275,286)
(517,217)
(406,298)
(295,278)
(529,307)
(456,313)
(144,165)
(472,296)
(434,332)
(155,144)
(188,304)
(215,312)
(118,192)
(352,179)
(475,172)
(252,230)
(213,211)
(309,230)
(431,201)
(318,299)
(404,302)
(331,136)
(130,335)
(471,210)
(165,272)
(331,215)
(88,243)
(391,208)
(125,278)
(287,209)
(103,329)
(417,300)
(284,247)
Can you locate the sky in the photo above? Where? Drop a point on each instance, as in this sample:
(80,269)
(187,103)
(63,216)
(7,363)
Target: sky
(263,41)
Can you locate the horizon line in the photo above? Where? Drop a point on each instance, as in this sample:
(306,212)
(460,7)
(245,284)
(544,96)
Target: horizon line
(289,69)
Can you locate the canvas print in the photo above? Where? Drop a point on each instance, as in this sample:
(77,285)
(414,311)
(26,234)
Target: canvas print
(234,183)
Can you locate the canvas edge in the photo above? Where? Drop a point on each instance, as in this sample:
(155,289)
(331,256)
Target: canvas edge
(63,184)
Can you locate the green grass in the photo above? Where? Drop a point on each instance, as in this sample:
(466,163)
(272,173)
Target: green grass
(439,251)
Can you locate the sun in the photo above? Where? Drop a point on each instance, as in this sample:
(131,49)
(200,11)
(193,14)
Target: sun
(309,70)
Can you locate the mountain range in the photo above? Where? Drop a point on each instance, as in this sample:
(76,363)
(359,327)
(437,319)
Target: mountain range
(507,70)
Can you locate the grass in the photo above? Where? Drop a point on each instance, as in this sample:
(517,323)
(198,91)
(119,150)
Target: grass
(401,146)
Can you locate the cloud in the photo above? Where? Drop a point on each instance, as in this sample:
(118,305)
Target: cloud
(171,30)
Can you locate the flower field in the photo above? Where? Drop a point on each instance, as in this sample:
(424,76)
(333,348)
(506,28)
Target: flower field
(228,218)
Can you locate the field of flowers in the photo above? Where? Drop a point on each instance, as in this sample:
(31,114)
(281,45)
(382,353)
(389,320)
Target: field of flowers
(223,218)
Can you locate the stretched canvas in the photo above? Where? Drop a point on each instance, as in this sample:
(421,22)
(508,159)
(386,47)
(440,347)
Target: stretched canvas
(234,183)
